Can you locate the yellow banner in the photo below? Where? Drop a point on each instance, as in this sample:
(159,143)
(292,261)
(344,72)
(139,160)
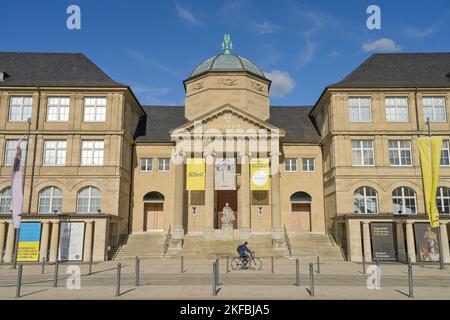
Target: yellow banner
(430,157)
(195,174)
(28,252)
(259,174)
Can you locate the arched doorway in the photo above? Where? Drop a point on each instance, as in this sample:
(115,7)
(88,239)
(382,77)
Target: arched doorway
(301,212)
(153,211)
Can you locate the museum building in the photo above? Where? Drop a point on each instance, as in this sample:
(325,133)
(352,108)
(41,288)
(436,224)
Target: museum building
(104,173)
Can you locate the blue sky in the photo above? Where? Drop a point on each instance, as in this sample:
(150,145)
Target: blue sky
(154,45)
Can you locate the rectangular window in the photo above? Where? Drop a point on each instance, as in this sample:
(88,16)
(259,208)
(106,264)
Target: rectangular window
(434,109)
(92,152)
(55,152)
(396,109)
(10,151)
(146,164)
(290,165)
(58,109)
(20,109)
(400,152)
(445,154)
(94,109)
(360,109)
(309,164)
(362,153)
(163,164)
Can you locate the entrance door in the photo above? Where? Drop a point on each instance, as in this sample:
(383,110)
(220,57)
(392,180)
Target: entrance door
(301,217)
(153,213)
(223,197)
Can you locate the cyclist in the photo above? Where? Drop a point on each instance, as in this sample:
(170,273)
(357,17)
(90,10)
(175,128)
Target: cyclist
(244,252)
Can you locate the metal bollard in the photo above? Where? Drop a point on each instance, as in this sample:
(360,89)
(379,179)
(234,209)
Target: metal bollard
(364,264)
(55,275)
(297,272)
(138,266)
(272,264)
(377,262)
(228,264)
(182,264)
(119,266)
(311,279)
(410,280)
(19,280)
(217,272)
(318,264)
(43,265)
(214,280)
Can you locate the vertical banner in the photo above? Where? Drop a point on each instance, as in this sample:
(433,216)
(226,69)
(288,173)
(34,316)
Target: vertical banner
(29,241)
(259,174)
(427,244)
(383,244)
(71,241)
(195,174)
(17,187)
(225,174)
(430,155)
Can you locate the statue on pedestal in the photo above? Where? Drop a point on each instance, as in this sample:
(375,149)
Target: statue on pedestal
(227,216)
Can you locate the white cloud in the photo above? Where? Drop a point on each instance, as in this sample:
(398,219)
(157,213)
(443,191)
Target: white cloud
(383,44)
(282,83)
(265,27)
(146,60)
(186,15)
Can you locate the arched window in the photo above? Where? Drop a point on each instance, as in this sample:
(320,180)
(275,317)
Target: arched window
(404,201)
(366,200)
(5,200)
(89,200)
(300,197)
(443,200)
(154,196)
(50,200)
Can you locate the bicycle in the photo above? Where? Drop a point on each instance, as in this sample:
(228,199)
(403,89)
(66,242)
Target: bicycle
(253,263)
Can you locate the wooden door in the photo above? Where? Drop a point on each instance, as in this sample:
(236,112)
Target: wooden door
(223,197)
(301,217)
(154,216)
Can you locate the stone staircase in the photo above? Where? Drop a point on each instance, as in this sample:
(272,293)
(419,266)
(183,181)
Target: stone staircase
(145,245)
(199,247)
(310,245)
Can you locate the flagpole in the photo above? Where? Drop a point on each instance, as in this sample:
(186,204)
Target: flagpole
(437,229)
(17,231)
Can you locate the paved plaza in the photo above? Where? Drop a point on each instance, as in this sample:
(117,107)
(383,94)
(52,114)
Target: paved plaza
(163,279)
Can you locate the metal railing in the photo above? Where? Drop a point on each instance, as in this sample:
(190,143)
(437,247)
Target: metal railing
(166,243)
(114,245)
(288,242)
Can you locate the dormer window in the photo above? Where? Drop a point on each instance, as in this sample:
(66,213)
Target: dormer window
(3,76)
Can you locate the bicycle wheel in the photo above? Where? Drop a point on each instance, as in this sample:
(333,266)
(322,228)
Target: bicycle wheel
(236,263)
(255,264)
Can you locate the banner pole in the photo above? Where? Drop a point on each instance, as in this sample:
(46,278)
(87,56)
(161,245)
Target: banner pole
(17,231)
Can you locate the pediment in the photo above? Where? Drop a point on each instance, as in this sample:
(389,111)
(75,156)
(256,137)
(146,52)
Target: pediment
(228,118)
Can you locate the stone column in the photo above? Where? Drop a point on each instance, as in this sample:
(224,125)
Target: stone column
(2,238)
(277,230)
(54,242)
(88,241)
(367,242)
(410,241)
(9,250)
(208,227)
(401,250)
(178,227)
(244,198)
(444,240)
(354,240)
(100,238)
(44,241)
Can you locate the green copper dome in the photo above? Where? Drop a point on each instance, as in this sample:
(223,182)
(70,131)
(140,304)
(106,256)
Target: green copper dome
(227,62)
